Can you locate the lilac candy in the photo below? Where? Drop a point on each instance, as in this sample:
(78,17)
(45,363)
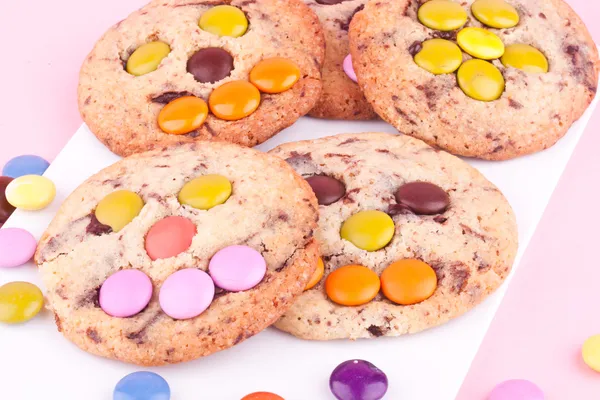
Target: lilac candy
(358,380)
(16,247)
(349,69)
(516,389)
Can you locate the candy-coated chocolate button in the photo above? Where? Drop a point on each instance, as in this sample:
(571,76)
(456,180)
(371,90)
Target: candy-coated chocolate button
(517,389)
(25,165)
(237,268)
(330,2)
(590,352)
(480,43)
(274,75)
(125,293)
(442,15)
(349,68)
(352,285)
(169,237)
(186,294)
(142,385)
(147,58)
(118,209)
(210,65)
(327,189)
(525,57)
(495,13)
(408,282)
(368,230)
(19,302)
(30,192)
(205,192)
(183,115)
(234,100)
(317,275)
(6,209)
(480,80)
(262,396)
(423,198)
(16,247)
(224,20)
(358,380)
(439,56)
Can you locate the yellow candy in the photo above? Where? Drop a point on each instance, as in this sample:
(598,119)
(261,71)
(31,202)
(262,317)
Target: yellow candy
(439,56)
(590,352)
(480,43)
(368,230)
(317,275)
(495,13)
(480,80)
(224,21)
(147,58)
(30,192)
(525,57)
(19,302)
(118,209)
(442,15)
(205,192)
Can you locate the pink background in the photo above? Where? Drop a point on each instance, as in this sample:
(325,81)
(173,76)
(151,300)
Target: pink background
(552,304)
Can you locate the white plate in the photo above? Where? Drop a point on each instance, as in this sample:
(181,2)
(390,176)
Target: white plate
(36,362)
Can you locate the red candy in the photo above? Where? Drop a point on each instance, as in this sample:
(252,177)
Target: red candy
(169,237)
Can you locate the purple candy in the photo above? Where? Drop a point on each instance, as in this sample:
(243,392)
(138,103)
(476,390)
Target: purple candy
(348,68)
(358,380)
(516,389)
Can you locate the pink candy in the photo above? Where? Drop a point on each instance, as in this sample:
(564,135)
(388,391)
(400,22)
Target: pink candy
(237,268)
(125,293)
(516,389)
(349,69)
(186,294)
(17,246)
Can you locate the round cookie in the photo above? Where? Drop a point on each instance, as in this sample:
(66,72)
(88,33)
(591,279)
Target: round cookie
(123,109)
(533,111)
(341,97)
(465,235)
(271,210)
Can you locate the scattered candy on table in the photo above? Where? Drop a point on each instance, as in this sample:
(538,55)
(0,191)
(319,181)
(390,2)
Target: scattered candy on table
(19,302)
(516,389)
(358,380)
(118,209)
(30,192)
(17,246)
(186,294)
(169,237)
(25,165)
(590,351)
(262,396)
(125,293)
(237,268)
(142,385)
(6,209)
(349,69)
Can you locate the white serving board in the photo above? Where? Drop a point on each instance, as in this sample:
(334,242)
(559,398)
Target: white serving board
(36,362)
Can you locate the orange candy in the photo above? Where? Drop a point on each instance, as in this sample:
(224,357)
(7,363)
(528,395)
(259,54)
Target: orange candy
(262,396)
(352,285)
(317,275)
(274,75)
(169,237)
(408,282)
(183,115)
(234,100)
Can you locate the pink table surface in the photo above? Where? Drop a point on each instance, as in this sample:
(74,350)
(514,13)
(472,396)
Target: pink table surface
(552,304)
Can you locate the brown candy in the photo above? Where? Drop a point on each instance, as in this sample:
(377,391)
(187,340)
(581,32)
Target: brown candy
(423,198)
(327,189)
(5,208)
(210,65)
(330,2)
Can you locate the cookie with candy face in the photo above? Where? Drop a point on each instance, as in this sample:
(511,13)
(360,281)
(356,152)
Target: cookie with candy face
(493,79)
(183,71)
(175,254)
(341,97)
(410,237)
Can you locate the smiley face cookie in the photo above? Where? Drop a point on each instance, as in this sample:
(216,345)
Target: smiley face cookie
(410,237)
(174,254)
(182,71)
(341,97)
(492,79)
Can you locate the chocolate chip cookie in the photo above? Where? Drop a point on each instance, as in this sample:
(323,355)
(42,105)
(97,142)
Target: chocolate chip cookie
(142,263)
(410,237)
(492,79)
(341,97)
(183,71)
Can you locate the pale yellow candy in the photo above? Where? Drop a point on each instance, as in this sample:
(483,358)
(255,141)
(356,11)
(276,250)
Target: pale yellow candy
(442,15)
(439,56)
(205,192)
(30,192)
(147,58)
(480,43)
(118,209)
(495,13)
(480,80)
(590,351)
(525,57)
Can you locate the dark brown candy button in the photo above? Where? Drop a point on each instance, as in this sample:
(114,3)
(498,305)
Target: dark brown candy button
(330,2)
(210,65)
(327,189)
(423,198)
(5,208)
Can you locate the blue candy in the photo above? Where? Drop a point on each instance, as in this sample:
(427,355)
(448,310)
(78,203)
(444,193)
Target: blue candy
(25,165)
(142,385)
